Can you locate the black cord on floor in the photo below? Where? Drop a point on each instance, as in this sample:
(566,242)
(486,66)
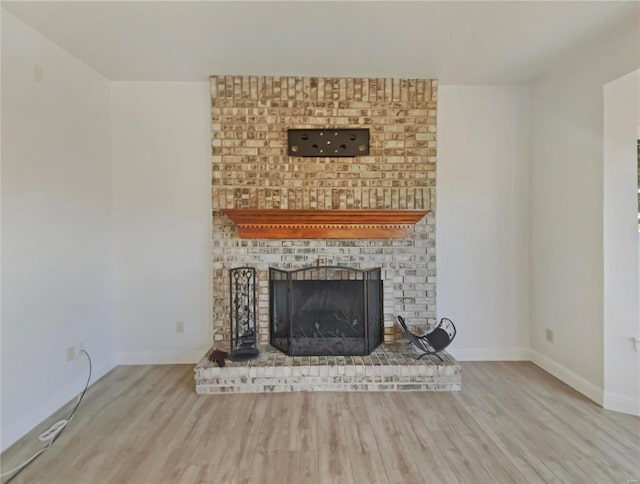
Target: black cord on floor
(56,430)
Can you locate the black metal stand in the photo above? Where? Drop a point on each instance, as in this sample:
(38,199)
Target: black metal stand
(242,293)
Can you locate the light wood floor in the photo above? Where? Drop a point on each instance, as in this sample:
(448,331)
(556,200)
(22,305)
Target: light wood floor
(512,422)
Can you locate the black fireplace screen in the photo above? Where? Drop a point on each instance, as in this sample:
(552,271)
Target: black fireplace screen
(319,311)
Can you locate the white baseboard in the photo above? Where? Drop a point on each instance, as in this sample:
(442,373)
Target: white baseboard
(16,430)
(622,403)
(569,377)
(490,354)
(169,357)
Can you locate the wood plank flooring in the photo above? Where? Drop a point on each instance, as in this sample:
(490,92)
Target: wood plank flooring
(512,422)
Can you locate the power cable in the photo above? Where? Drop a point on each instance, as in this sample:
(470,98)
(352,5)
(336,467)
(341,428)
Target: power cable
(52,433)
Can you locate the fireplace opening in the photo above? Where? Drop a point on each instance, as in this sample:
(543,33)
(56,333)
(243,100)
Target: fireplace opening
(324,311)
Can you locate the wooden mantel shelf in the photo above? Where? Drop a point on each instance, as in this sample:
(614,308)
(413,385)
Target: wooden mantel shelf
(324,224)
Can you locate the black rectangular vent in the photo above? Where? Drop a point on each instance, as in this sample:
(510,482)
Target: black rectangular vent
(328,142)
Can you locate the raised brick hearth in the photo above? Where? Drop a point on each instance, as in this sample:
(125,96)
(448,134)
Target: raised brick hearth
(391,367)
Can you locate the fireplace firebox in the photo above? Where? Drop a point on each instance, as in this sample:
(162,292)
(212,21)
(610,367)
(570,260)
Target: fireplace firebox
(324,311)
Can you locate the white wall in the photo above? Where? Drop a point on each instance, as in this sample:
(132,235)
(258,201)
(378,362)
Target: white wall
(162,220)
(482,219)
(621,311)
(566,208)
(56,197)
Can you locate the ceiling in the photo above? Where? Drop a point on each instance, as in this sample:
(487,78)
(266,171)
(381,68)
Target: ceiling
(458,42)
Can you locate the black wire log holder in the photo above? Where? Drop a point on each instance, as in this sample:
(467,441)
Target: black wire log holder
(242,294)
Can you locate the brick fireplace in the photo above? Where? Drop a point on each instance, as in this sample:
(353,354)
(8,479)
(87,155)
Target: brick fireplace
(250,116)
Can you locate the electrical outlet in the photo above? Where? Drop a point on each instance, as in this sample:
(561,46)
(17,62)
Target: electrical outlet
(38,73)
(549,335)
(71,353)
(82,345)
(180,327)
